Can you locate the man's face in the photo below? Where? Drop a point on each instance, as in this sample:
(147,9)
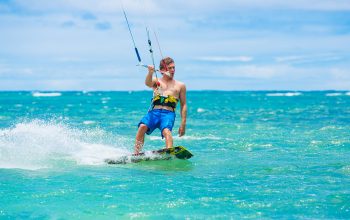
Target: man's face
(171,69)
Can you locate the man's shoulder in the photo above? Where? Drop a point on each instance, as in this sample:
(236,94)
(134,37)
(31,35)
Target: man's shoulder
(179,83)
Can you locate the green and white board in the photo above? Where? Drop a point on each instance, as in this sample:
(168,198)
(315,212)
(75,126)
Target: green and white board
(163,154)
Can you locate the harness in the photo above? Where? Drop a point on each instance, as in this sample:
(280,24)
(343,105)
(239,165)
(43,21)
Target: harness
(169,100)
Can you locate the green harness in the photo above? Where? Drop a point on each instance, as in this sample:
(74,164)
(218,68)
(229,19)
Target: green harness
(169,100)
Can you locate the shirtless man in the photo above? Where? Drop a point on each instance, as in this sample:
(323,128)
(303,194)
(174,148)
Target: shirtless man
(166,93)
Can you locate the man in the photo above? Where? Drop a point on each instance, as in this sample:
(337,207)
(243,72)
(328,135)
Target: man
(166,93)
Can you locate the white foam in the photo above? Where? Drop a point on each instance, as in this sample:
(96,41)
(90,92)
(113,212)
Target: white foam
(200,110)
(46,94)
(334,94)
(88,122)
(348,93)
(330,127)
(38,144)
(289,94)
(88,154)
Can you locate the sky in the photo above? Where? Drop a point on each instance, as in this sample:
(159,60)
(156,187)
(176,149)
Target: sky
(217,45)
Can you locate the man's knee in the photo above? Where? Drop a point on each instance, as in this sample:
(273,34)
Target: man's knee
(143,128)
(166,132)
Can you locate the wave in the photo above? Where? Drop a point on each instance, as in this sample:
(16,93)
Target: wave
(200,110)
(46,94)
(284,94)
(38,144)
(334,94)
(89,122)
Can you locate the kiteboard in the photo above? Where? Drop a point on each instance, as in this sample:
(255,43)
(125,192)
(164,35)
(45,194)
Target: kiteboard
(163,154)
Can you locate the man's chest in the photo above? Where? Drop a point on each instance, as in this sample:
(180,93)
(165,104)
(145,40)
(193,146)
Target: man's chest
(170,89)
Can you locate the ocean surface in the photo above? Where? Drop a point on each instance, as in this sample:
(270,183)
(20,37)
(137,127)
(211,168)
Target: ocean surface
(258,155)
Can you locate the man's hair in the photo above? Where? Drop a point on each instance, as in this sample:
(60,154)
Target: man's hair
(165,62)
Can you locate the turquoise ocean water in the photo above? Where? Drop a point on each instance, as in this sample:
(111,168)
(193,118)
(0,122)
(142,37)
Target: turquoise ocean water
(280,155)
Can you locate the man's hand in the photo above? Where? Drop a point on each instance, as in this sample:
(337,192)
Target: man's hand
(182,130)
(150,69)
(148,81)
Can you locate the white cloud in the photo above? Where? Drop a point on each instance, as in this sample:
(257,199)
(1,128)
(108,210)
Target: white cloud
(268,77)
(16,72)
(200,6)
(65,59)
(296,4)
(340,74)
(312,58)
(225,58)
(282,72)
(254,71)
(8,71)
(152,7)
(111,6)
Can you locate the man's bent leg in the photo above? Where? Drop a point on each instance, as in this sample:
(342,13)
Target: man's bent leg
(168,138)
(140,138)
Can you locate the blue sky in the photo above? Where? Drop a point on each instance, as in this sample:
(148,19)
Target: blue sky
(221,45)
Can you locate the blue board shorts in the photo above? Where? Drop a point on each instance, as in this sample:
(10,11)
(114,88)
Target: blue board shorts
(158,118)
